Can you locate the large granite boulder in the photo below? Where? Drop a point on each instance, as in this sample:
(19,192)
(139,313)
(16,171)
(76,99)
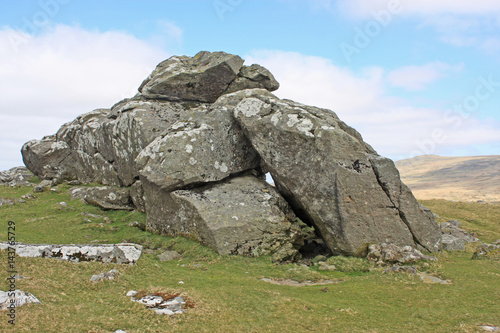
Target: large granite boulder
(133,124)
(202,78)
(192,147)
(243,215)
(331,177)
(208,147)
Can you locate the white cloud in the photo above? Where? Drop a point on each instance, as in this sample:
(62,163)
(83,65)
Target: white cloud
(63,72)
(418,77)
(461,23)
(389,123)
(363,9)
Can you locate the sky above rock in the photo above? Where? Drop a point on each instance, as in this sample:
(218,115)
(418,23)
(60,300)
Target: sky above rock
(412,77)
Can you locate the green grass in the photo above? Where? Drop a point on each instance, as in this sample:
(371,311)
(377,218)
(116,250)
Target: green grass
(227,290)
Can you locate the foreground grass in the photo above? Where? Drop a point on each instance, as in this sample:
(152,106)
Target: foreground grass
(227,290)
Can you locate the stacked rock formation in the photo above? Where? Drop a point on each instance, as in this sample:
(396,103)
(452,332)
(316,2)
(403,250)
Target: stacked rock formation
(195,143)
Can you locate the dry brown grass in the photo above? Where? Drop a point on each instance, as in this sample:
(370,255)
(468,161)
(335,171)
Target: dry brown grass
(453,178)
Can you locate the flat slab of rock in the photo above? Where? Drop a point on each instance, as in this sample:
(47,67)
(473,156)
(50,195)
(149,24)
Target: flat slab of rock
(161,303)
(293,283)
(490,328)
(123,253)
(427,278)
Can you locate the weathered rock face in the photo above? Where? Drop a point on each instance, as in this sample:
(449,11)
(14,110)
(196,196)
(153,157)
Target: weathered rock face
(330,175)
(208,147)
(17,176)
(105,197)
(194,143)
(49,159)
(243,215)
(454,238)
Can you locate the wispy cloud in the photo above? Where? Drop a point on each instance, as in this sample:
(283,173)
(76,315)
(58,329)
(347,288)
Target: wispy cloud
(461,23)
(419,77)
(363,8)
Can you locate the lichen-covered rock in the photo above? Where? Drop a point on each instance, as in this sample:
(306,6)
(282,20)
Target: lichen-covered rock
(44,185)
(487,251)
(107,197)
(448,228)
(401,269)
(251,77)
(16,177)
(427,278)
(169,255)
(452,243)
(202,78)
(454,238)
(330,175)
(208,147)
(49,159)
(134,124)
(137,196)
(111,275)
(390,253)
(419,220)
(242,216)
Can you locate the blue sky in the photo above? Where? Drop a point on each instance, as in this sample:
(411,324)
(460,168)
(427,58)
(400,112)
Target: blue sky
(414,77)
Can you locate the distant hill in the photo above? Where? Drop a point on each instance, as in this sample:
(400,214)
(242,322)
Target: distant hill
(452,178)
